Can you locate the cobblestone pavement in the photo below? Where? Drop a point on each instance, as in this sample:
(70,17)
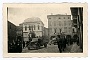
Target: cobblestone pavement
(49,49)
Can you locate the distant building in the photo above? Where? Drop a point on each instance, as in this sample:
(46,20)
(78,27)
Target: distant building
(77,16)
(19,30)
(59,23)
(33,24)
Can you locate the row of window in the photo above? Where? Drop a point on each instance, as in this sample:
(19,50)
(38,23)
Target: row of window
(32,27)
(60,23)
(62,18)
(66,29)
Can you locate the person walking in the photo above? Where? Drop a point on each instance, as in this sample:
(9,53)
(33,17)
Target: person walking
(76,39)
(68,39)
(19,44)
(23,44)
(60,42)
(63,42)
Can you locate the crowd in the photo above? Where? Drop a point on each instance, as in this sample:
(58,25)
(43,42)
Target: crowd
(66,40)
(15,46)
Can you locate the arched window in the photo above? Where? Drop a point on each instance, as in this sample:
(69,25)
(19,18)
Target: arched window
(29,27)
(38,27)
(25,28)
(34,27)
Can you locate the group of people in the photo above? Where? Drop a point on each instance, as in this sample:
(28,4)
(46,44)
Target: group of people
(25,44)
(63,40)
(15,46)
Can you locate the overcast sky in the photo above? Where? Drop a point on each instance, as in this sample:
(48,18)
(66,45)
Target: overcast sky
(17,15)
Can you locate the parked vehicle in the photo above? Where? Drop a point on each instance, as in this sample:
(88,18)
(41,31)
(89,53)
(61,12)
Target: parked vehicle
(53,40)
(33,44)
(36,43)
(43,41)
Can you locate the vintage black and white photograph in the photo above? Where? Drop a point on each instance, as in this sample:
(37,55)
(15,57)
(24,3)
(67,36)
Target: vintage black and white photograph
(45,28)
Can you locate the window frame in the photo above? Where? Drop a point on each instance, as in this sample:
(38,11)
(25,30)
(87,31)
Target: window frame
(38,27)
(25,28)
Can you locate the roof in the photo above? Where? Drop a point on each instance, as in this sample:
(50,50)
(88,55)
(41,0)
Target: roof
(19,28)
(33,19)
(59,15)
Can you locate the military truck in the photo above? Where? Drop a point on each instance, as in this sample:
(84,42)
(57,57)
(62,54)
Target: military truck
(36,42)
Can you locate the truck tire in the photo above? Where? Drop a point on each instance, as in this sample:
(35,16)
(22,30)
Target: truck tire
(37,47)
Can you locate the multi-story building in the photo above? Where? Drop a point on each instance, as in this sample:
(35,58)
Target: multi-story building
(33,24)
(77,16)
(11,32)
(59,23)
(19,31)
(11,35)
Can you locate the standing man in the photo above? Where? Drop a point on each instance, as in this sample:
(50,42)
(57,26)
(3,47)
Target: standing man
(19,44)
(63,41)
(23,44)
(59,42)
(30,39)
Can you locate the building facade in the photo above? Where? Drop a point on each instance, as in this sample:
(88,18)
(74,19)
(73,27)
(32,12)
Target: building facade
(59,23)
(32,25)
(11,32)
(19,31)
(45,31)
(77,16)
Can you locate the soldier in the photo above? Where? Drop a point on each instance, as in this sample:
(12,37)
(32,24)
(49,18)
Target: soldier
(63,42)
(39,41)
(30,39)
(68,38)
(23,44)
(19,44)
(59,43)
(76,39)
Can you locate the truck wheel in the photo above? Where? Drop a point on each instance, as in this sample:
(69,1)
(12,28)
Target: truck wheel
(45,45)
(37,47)
(28,48)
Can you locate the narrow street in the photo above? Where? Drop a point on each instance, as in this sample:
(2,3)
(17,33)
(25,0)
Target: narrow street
(52,49)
